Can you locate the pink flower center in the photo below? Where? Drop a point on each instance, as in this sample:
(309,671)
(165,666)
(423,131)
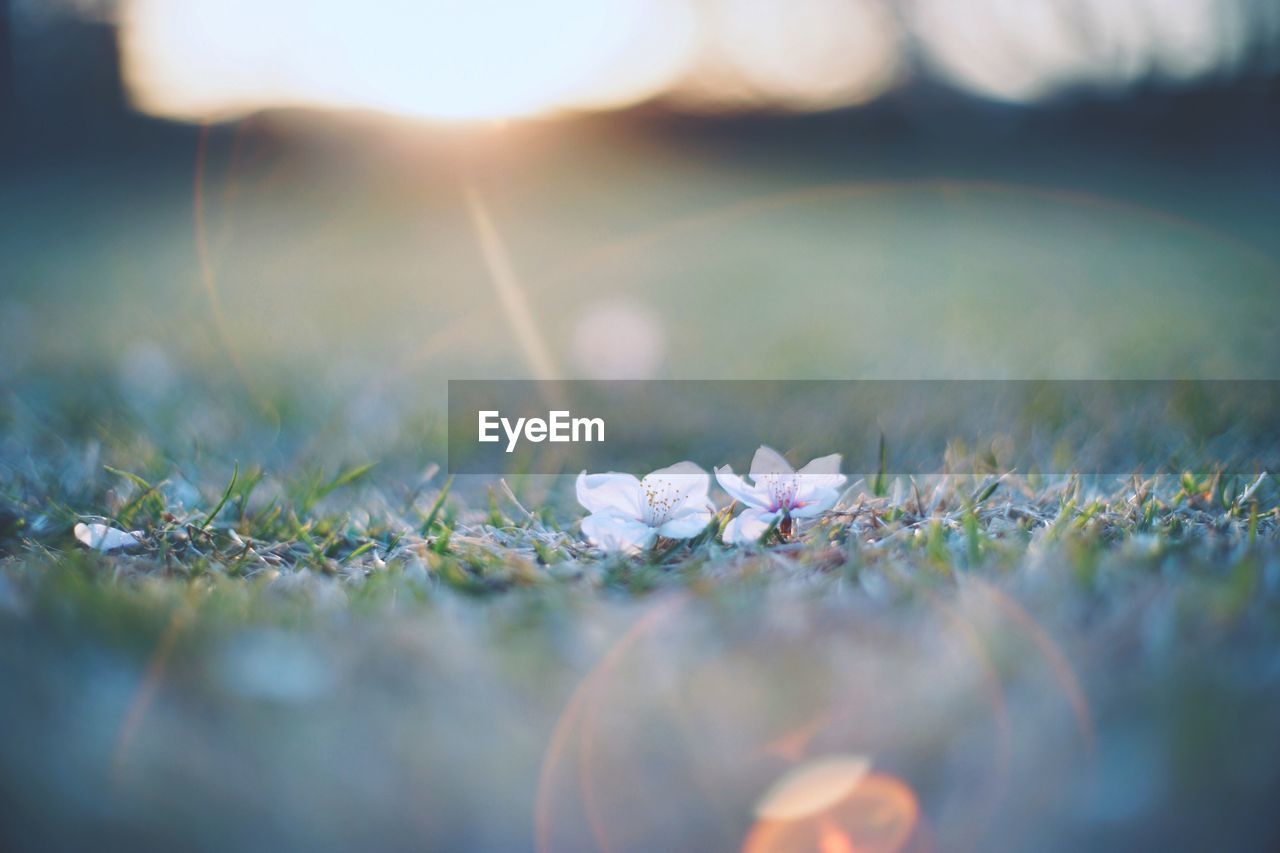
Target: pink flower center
(782,492)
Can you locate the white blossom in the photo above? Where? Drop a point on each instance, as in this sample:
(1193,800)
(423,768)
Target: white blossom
(629,514)
(777,492)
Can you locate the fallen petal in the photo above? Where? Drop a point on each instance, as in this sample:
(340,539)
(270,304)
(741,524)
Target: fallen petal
(104,538)
(822,473)
(611,492)
(748,526)
(614,532)
(679,486)
(739,490)
(768,461)
(687,523)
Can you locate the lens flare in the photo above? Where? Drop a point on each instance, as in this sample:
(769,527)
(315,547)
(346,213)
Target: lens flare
(813,787)
(618,338)
(877,815)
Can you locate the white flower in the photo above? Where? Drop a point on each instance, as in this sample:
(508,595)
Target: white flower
(779,493)
(103,538)
(629,514)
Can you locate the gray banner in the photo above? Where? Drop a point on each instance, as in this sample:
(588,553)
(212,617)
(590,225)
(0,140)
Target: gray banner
(898,427)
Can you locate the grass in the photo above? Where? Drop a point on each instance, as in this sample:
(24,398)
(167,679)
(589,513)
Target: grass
(355,521)
(321,654)
(328,524)
(394,529)
(325,644)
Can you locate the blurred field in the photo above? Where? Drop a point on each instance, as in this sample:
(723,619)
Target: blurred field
(350,263)
(1040,668)
(209,336)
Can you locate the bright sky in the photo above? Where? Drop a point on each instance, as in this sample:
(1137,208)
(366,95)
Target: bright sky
(481,59)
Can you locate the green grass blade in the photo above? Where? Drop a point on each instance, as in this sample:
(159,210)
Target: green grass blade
(147,491)
(880,486)
(345,478)
(208,519)
(430,520)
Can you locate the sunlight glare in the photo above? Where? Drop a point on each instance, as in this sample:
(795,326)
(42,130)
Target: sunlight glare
(805,54)
(480,59)
(1024,50)
(452,60)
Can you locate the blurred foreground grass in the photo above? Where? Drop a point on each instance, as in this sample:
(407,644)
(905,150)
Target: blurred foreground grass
(326,656)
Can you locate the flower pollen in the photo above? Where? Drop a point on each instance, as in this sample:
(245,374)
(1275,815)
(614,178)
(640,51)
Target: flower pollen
(782,492)
(659,502)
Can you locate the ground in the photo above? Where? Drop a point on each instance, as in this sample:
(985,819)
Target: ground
(236,342)
(360,655)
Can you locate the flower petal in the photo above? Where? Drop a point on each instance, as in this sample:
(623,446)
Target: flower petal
(612,492)
(689,522)
(614,532)
(681,485)
(104,538)
(769,461)
(816,502)
(749,525)
(739,490)
(822,473)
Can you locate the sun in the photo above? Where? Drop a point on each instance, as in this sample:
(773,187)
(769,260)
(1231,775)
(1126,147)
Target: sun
(433,59)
